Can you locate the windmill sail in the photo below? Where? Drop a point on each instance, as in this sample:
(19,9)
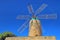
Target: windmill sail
(23,27)
(42,7)
(30,9)
(23,17)
(49,16)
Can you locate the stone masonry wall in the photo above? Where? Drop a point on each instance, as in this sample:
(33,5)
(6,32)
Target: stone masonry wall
(32,38)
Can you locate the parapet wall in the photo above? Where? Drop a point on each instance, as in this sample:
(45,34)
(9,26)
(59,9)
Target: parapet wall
(32,38)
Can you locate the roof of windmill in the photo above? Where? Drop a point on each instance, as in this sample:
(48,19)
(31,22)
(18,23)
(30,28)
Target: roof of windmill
(34,19)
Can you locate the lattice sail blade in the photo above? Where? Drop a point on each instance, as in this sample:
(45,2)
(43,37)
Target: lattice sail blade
(30,9)
(41,8)
(49,16)
(23,27)
(23,17)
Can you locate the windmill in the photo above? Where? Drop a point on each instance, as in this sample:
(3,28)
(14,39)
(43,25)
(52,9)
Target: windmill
(34,25)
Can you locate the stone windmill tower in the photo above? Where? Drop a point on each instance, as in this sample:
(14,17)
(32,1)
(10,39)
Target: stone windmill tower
(35,28)
(34,23)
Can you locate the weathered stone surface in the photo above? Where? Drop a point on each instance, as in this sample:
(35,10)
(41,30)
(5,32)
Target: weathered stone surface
(32,38)
(35,28)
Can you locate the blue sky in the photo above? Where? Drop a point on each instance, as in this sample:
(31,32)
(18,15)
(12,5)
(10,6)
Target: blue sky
(10,9)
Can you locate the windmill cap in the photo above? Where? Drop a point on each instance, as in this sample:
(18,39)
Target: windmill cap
(34,19)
